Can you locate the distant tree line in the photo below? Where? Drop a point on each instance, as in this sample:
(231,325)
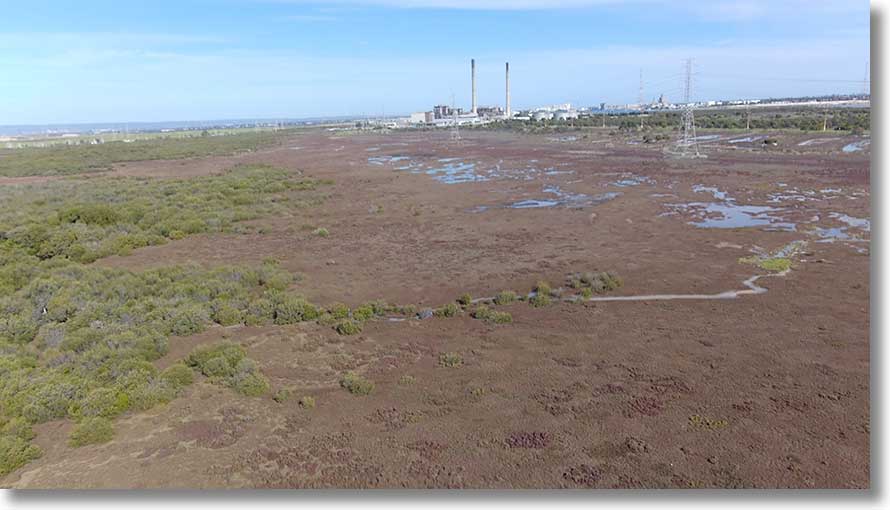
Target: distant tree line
(851,120)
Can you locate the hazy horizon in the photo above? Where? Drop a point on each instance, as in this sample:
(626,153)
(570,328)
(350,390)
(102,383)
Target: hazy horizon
(267,59)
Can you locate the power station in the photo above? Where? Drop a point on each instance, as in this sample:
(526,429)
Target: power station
(445,115)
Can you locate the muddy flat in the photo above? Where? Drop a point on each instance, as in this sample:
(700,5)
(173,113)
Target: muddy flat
(701,388)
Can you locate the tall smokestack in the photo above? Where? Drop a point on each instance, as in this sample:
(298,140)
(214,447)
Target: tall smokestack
(507,109)
(473,72)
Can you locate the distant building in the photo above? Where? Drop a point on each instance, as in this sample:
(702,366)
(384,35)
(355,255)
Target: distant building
(565,114)
(441,111)
(490,111)
(418,118)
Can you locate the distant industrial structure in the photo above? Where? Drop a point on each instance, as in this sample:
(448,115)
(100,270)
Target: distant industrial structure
(444,115)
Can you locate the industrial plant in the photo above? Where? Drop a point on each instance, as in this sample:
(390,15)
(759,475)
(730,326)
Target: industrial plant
(444,115)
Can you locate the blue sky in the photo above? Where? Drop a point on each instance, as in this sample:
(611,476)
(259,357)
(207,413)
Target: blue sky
(112,61)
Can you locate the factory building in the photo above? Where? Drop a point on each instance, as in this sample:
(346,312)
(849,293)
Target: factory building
(565,114)
(490,111)
(441,111)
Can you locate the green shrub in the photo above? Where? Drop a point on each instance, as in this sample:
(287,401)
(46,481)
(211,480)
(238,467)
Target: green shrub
(539,300)
(18,427)
(465,299)
(586,293)
(98,329)
(90,213)
(150,393)
(493,316)
(227,315)
(94,430)
(339,311)
(348,327)
(449,310)
(250,383)
(104,402)
(178,375)
(356,384)
(282,395)
(294,309)
(15,452)
(543,288)
(187,319)
(505,297)
(321,232)
(216,360)
(776,264)
(18,328)
(450,360)
(227,363)
(50,399)
(364,313)
(307,402)
(260,311)
(407,380)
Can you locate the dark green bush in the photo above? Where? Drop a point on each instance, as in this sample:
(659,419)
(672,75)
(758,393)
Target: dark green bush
(450,360)
(106,402)
(493,316)
(505,297)
(348,327)
(178,375)
(294,309)
(449,310)
(15,452)
(356,384)
(217,360)
(227,363)
(94,430)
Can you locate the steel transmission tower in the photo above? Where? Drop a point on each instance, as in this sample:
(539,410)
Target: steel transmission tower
(689,138)
(455,131)
(641,99)
(865,82)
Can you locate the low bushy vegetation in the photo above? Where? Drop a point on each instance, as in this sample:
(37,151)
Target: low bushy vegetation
(773,264)
(282,395)
(597,282)
(77,341)
(356,384)
(493,316)
(86,220)
(541,295)
(95,430)
(69,159)
(348,327)
(449,310)
(505,297)
(15,452)
(227,363)
(450,360)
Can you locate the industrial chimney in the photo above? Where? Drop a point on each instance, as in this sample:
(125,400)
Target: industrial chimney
(507,111)
(473,73)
